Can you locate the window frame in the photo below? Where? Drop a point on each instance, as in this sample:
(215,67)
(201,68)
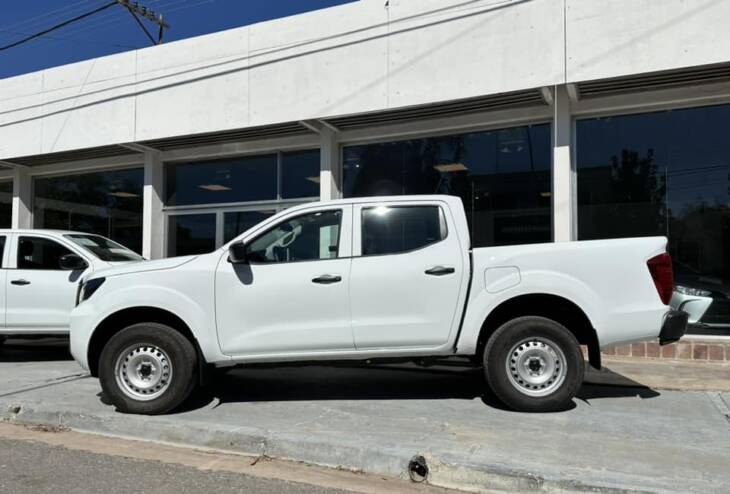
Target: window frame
(259,234)
(358,225)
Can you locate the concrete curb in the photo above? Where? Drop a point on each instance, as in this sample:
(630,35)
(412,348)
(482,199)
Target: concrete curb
(388,459)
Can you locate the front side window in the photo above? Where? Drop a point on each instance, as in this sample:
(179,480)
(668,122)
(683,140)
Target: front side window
(40,253)
(309,237)
(394,229)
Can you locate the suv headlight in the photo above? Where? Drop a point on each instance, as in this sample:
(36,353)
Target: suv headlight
(88,288)
(692,292)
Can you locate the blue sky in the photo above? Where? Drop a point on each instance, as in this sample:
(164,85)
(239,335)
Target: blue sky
(114,30)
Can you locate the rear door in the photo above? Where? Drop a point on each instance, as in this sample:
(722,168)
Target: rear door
(39,294)
(407,273)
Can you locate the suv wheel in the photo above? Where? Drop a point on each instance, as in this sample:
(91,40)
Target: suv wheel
(148,368)
(534,364)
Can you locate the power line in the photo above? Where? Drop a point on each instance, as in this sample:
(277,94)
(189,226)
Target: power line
(58,26)
(40,19)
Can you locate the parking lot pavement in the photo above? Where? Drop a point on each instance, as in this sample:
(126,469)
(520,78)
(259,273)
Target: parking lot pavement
(376,419)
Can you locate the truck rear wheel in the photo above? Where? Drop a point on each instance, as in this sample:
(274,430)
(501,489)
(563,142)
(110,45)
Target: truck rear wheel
(534,364)
(148,368)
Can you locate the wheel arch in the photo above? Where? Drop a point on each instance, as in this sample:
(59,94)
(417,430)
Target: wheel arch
(116,321)
(553,307)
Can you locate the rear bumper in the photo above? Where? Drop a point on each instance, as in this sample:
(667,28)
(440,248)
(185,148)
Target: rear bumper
(674,327)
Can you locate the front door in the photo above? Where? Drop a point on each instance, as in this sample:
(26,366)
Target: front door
(291,295)
(40,295)
(407,276)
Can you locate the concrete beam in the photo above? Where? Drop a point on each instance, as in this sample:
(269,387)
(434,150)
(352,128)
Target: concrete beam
(547,95)
(573,92)
(330,166)
(140,148)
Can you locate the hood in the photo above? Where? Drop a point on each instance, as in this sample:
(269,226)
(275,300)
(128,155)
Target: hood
(142,266)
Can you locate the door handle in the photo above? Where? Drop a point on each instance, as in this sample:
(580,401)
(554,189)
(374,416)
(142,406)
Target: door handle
(20,282)
(327,279)
(440,271)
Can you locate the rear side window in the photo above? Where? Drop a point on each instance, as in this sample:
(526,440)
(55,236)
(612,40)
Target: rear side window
(40,253)
(394,229)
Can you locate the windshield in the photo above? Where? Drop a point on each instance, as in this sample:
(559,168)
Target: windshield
(103,248)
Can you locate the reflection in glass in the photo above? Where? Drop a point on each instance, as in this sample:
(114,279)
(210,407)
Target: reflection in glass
(502,177)
(6,204)
(106,203)
(237,222)
(664,173)
(390,230)
(221,181)
(300,174)
(190,234)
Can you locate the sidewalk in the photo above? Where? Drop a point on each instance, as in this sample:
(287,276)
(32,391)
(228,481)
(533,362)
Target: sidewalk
(617,438)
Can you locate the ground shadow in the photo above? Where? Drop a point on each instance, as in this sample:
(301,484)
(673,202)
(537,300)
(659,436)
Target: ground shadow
(48,349)
(375,382)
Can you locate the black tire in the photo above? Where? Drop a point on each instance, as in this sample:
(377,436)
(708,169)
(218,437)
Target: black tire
(179,353)
(529,341)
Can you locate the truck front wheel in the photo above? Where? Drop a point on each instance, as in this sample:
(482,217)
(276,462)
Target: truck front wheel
(534,364)
(148,368)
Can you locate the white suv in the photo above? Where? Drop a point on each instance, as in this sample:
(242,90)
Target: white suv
(40,276)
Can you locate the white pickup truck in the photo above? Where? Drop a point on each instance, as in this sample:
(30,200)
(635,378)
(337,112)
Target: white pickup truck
(40,274)
(367,279)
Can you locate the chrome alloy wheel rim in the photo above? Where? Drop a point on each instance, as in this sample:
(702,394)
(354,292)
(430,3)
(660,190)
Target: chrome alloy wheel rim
(143,372)
(536,366)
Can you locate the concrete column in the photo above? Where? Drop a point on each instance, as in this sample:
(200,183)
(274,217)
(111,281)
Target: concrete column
(153,228)
(22,200)
(329,175)
(563,169)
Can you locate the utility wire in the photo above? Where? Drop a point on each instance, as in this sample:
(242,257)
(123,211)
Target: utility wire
(58,26)
(55,14)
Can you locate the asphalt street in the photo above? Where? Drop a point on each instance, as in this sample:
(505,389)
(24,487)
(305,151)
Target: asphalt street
(34,468)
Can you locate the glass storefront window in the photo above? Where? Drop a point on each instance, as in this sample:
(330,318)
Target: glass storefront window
(665,173)
(502,176)
(191,234)
(237,222)
(300,174)
(240,192)
(107,203)
(6,204)
(222,181)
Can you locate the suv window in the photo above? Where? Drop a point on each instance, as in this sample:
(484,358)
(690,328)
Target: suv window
(394,229)
(2,248)
(40,253)
(309,237)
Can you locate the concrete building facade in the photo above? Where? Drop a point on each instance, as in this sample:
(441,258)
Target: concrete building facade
(554,120)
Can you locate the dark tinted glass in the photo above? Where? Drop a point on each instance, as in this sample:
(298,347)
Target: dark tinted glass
(300,174)
(40,253)
(238,222)
(310,237)
(106,203)
(664,173)
(6,204)
(390,230)
(2,247)
(502,176)
(191,234)
(220,181)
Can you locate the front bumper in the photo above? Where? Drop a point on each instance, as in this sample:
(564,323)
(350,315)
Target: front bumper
(674,327)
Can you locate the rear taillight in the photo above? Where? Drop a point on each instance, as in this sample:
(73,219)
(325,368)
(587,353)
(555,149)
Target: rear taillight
(660,268)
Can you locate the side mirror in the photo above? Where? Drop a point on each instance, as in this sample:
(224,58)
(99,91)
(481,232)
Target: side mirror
(72,262)
(237,253)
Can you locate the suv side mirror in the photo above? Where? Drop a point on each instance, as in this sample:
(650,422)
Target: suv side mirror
(72,262)
(237,253)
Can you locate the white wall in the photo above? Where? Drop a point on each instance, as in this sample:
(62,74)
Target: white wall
(355,58)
